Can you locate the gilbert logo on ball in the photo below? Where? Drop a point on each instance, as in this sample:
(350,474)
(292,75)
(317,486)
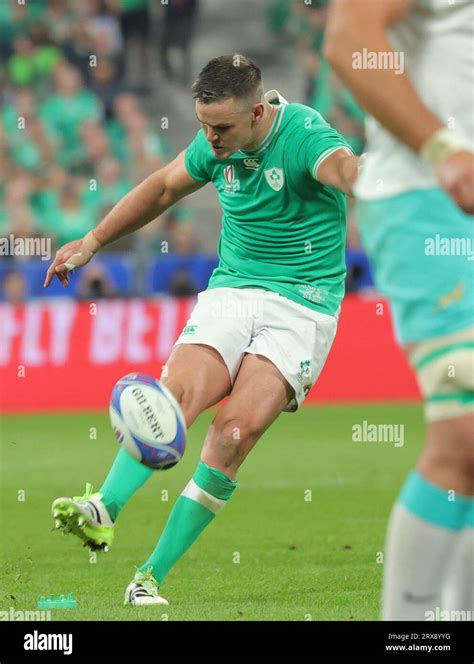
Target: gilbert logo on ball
(148,421)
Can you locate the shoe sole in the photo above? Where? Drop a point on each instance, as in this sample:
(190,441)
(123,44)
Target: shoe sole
(67,516)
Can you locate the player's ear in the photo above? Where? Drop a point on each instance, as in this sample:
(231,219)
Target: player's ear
(257,112)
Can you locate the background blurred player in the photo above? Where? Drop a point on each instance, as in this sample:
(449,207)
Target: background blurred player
(410,64)
(280,171)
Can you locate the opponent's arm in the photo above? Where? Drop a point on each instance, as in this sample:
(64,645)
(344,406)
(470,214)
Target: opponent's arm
(389,96)
(144,203)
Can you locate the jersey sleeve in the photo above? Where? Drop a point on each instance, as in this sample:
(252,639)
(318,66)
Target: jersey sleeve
(196,158)
(321,141)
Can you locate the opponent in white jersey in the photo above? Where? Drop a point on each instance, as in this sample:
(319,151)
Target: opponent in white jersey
(410,65)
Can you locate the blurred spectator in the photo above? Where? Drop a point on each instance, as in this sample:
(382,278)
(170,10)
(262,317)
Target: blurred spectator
(19,211)
(136,144)
(70,219)
(181,284)
(14,288)
(125,104)
(22,223)
(312,36)
(60,19)
(135,26)
(15,20)
(105,84)
(67,109)
(78,49)
(146,148)
(104,29)
(183,242)
(31,61)
(111,186)
(178,31)
(95,145)
(30,144)
(183,239)
(95,283)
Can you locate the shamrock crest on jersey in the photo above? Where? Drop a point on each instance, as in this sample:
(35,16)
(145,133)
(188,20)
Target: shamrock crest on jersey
(275,178)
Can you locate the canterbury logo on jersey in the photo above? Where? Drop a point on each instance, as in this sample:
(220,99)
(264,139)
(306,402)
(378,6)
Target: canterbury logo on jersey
(253,164)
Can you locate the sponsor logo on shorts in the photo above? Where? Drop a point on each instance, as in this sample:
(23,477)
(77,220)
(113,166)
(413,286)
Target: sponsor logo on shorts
(275,178)
(453,296)
(190,329)
(252,164)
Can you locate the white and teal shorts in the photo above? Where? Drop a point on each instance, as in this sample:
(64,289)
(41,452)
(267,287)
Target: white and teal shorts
(421,249)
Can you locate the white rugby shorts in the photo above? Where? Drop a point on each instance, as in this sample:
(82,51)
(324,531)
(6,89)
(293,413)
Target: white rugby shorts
(236,321)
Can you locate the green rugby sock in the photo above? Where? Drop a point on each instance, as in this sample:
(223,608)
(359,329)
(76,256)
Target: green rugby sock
(201,499)
(125,477)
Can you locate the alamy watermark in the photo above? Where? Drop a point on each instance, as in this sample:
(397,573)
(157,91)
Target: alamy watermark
(450,246)
(26,246)
(230,308)
(443,614)
(379,433)
(366,59)
(14,615)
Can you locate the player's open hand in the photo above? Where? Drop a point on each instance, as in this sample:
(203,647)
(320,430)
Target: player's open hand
(456,176)
(67,259)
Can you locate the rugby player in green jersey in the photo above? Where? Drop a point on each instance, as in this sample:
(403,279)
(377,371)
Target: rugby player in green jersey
(262,330)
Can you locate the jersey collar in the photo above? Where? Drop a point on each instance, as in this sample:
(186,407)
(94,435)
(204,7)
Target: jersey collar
(274,97)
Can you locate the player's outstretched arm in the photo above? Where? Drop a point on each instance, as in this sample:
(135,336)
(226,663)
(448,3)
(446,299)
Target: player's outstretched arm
(388,94)
(339,170)
(144,203)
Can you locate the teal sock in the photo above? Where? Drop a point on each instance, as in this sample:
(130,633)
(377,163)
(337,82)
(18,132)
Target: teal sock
(202,498)
(424,530)
(125,477)
(433,504)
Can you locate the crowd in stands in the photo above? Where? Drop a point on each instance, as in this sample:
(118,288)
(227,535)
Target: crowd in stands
(75,135)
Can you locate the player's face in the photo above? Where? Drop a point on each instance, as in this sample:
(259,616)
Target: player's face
(229,125)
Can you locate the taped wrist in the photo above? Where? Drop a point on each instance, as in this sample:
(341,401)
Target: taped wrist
(90,246)
(440,146)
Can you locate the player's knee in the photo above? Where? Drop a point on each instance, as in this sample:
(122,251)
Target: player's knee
(233,436)
(237,429)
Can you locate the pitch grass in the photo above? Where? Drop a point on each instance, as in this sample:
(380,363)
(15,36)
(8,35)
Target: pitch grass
(300,539)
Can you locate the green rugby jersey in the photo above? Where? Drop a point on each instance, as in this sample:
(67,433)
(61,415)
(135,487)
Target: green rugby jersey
(281,229)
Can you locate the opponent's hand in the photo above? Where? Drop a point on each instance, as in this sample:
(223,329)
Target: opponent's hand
(456,177)
(71,256)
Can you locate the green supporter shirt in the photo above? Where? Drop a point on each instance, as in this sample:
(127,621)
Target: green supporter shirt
(281,229)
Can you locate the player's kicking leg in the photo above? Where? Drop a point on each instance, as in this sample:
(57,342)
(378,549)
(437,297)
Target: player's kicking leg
(198,378)
(259,395)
